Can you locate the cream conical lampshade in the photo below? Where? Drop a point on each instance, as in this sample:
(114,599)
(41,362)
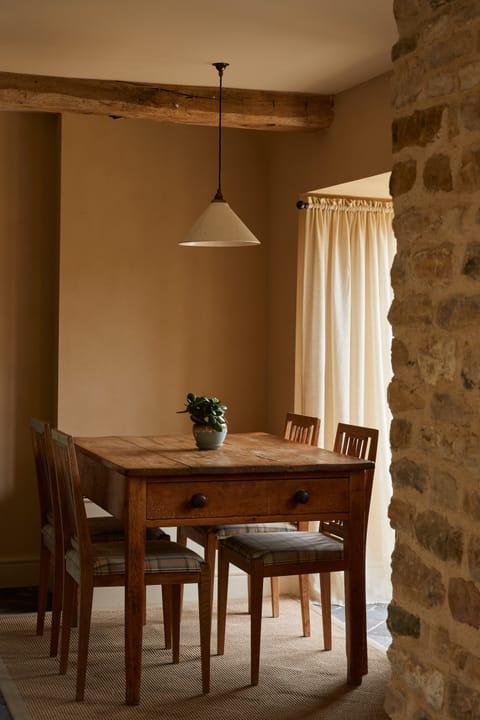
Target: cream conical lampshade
(219,226)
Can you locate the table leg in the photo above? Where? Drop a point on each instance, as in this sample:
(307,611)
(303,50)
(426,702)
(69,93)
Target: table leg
(355,596)
(134,590)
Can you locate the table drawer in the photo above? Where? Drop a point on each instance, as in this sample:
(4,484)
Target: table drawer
(244,500)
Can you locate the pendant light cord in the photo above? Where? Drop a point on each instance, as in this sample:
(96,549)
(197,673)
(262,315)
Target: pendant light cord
(220,68)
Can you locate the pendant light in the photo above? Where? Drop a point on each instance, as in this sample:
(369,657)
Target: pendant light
(218,225)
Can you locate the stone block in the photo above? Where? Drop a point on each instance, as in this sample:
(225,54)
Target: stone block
(470,372)
(463,702)
(399,355)
(419,129)
(437,175)
(440,84)
(451,48)
(433,263)
(437,358)
(403,397)
(401,515)
(447,408)
(406,473)
(400,433)
(403,177)
(416,222)
(474,558)
(414,310)
(419,582)
(468,179)
(470,109)
(471,263)
(395,703)
(444,492)
(471,504)
(403,47)
(458,312)
(464,601)
(435,534)
(401,622)
(427,681)
(469,75)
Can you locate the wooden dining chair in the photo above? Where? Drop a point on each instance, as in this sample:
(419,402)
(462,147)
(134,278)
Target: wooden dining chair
(102,529)
(298,428)
(282,554)
(360,442)
(89,565)
(51,531)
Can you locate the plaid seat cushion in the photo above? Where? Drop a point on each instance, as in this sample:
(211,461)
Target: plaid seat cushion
(225,531)
(157,534)
(105,528)
(48,533)
(287,547)
(109,529)
(160,556)
(102,529)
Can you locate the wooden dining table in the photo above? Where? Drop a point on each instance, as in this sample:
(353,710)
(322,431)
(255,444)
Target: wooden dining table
(166,481)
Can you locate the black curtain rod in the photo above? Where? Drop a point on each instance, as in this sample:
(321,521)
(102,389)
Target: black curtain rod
(304,205)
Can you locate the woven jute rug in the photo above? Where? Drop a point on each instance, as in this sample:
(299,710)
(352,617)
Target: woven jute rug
(297,678)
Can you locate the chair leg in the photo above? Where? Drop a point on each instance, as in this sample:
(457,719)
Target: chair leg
(75,610)
(176,592)
(181,540)
(326,601)
(70,593)
(304,582)
(205,618)
(181,536)
(364,658)
(43,587)
(56,604)
(274,587)
(85,617)
(211,546)
(167,614)
(222,590)
(256,573)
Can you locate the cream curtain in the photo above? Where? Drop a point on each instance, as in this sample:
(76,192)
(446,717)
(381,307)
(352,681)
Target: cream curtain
(343,367)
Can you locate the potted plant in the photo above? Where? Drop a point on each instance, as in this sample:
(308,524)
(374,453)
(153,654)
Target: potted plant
(208,417)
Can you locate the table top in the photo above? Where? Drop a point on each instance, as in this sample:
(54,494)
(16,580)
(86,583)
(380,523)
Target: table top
(241,453)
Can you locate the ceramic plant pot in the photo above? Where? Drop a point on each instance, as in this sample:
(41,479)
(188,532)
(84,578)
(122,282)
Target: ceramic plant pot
(207,438)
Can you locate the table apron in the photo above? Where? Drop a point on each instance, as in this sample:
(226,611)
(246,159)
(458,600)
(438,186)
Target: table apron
(247,500)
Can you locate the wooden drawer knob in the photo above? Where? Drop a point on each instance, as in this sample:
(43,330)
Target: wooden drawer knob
(198,500)
(302,497)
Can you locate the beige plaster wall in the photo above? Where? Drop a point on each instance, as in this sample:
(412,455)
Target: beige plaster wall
(142,320)
(29,148)
(357,145)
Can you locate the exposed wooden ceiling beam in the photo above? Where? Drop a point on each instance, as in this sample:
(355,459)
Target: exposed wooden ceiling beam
(252,109)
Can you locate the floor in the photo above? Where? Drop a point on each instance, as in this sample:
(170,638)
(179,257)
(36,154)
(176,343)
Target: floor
(15,600)
(376,622)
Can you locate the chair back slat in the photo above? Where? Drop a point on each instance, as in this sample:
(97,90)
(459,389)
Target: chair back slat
(39,430)
(302,429)
(75,523)
(50,510)
(360,442)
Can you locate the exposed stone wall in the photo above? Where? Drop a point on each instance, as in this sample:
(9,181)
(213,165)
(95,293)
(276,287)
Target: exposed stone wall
(435,393)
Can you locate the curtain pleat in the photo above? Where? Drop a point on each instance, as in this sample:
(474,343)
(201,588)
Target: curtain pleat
(343,346)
